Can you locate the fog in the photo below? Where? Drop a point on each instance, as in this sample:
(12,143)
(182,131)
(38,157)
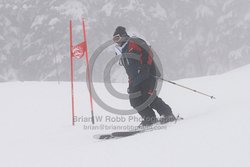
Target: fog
(191,37)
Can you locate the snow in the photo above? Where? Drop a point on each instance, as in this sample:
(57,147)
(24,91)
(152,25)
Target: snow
(133,4)
(53,21)
(225,17)
(107,8)
(33,58)
(227,4)
(158,11)
(36,129)
(73,8)
(238,53)
(26,7)
(14,7)
(247,17)
(7,47)
(39,20)
(203,11)
(9,74)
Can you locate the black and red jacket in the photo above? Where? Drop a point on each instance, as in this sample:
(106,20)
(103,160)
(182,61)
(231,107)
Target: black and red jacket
(137,59)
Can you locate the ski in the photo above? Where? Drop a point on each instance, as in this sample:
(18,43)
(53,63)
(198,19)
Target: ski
(122,134)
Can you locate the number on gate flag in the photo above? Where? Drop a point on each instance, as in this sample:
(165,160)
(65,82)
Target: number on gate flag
(79,50)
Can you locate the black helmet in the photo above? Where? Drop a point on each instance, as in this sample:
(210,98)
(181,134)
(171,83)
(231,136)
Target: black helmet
(120,35)
(121,31)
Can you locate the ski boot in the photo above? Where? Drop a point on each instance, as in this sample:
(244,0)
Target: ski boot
(167,118)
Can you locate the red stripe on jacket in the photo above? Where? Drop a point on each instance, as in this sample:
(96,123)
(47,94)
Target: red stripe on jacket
(133,47)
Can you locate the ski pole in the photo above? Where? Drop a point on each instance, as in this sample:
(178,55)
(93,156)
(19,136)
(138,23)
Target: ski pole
(196,91)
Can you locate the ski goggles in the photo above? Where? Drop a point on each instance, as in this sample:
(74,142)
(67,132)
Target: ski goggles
(117,38)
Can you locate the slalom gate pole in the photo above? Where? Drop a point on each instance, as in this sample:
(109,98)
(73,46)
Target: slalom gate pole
(72,73)
(88,74)
(196,91)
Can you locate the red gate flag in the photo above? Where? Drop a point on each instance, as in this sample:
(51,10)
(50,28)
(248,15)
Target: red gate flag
(78,51)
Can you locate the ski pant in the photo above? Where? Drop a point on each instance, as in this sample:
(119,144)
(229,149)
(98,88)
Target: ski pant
(144,99)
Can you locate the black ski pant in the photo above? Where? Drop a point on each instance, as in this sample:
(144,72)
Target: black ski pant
(144,99)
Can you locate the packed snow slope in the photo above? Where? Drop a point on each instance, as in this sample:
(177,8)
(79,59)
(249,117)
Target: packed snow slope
(36,131)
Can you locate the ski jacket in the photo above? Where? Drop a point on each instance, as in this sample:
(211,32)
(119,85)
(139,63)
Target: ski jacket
(137,59)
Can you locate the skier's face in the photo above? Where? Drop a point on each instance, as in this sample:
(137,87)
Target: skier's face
(119,39)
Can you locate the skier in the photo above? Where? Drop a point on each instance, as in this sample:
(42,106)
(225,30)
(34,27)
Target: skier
(136,57)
